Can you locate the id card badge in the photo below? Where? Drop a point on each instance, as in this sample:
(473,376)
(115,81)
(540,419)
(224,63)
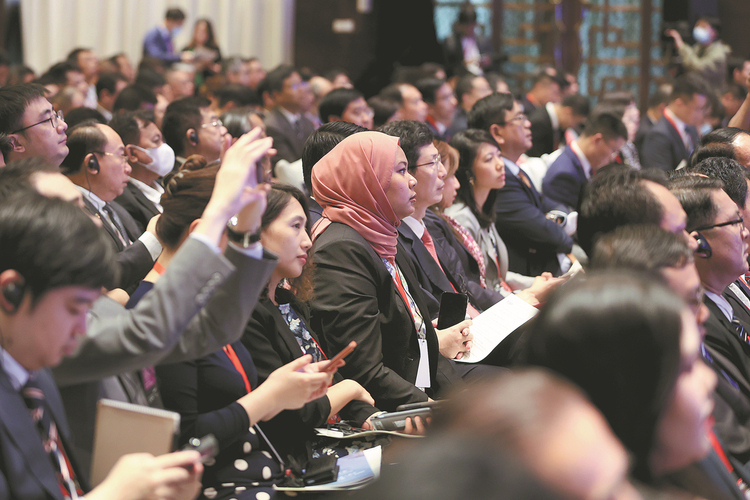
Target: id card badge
(423,372)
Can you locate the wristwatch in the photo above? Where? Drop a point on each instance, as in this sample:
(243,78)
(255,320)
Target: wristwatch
(241,238)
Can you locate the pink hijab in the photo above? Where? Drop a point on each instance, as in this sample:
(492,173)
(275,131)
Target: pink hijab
(350,184)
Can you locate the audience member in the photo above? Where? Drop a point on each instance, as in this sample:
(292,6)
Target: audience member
(285,121)
(549,124)
(469,89)
(108,87)
(545,87)
(536,243)
(603,136)
(346,104)
(668,144)
(87,62)
(179,82)
(384,110)
(411,106)
(158,41)
(191,127)
(206,52)
(708,57)
(737,139)
(657,102)
(441,105)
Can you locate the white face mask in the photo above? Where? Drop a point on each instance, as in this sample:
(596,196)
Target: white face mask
(162,159)
(176,30)
(701,35)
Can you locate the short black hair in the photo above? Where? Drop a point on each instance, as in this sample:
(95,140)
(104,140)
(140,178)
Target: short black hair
(75,253)
(274,80)
(82,114)
(175,14)
(730,172)
(321,142)
(72,57)
(687,86)
(578,103)
(126,127)
(383,109)
(607,124)
(14,99)
(133,97)
(712,150)
(335,102)
(6,145)
(723,135)
(490,110)
(16,175)
(414,136)
(237,121)
(180,116)
(428,87)
(393,93)
(694,193)
(108,81)
(57,74)
(240,95)
(616,197)
(640,247)
(84,138)
(149,78)
(660,96)
(464,85)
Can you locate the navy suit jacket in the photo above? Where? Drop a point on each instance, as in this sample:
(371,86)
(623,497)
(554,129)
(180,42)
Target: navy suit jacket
(532,239)
(542,133)
(565,180)
(663,147)
(138,206)
(25,468)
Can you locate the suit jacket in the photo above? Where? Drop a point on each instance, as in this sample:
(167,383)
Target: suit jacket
(137,205)
(434,280)
(316,211)
(193,310)
(644,127)
(356,299)
(448,249)
(159,44)
(728,350)
(135,261)
(272,344)
(565,180)
(532,239)
(663,147)
(543,134)
(287,143)
(25,467)
(460,122)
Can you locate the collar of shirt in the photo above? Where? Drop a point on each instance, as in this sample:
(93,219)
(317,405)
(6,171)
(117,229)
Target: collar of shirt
(152,193)
(511,166)
(679,124)
(582,158)
(550,107)
(92,198)
(722,304)
(415,225)
(292,117)
(17,374)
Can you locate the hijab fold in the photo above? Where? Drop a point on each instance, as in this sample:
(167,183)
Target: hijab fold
(350,183)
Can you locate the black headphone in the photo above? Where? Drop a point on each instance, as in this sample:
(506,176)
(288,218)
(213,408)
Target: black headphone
(193,137)
(13,293)
(704,249)
(93,164)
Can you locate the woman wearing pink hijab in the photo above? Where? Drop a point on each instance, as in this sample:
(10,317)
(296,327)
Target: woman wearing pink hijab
(364,289)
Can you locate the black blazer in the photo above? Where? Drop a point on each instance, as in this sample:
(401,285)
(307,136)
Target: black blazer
(532,239)
(316,211)
(542,133)
(285,140)
(565,180)
(135,260)
(272,344)
(25,468)
(356,299)
(728,350)
(448,249)
(137,205)
(663,147)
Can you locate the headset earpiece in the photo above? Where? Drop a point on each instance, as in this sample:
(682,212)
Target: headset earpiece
(13,294)
(193,137)
(704,249)
(93,164)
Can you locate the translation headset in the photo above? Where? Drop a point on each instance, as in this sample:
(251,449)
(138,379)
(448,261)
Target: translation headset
(704,249)
(193,137)
(93,163)
(13,294)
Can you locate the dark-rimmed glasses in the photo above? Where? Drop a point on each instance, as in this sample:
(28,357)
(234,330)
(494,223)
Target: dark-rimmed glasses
(740,221)
(54,119)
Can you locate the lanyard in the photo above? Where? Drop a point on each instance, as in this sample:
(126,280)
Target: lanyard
(229,351)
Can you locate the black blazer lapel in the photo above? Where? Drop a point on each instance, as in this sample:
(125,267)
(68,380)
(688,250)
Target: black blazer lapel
(423,259)
(105,224)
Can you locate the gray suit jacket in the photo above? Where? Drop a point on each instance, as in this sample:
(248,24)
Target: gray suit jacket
(286,141)
(169,324)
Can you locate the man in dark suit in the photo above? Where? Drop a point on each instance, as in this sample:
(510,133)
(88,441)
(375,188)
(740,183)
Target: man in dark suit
(285,122)
(656,104)
(46,293)
(158,41)
(97,164)
(549,123)
(536,243)
(671,140)
(601,139)
(441,105)
(150,158)
(545,87)
(469,89)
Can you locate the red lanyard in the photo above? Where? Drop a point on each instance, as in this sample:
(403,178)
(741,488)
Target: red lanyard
(402,291)
(229,350)
(159,269)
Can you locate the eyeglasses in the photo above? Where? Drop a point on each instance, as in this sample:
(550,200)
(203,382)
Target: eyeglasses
(217,124)
(55,119)
(739,221)
(122,157)
(519,117)
(433,163)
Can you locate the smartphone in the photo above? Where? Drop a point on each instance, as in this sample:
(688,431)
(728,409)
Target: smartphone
(341,355)
(263,172)
(452,309)
(396,421)
(207,446)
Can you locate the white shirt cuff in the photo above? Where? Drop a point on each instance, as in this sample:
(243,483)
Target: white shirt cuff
(254,251)
(152,244)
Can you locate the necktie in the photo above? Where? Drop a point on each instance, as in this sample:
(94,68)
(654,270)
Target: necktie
(117,224)
(740,330)
(430,245)
(524,178)
(34,398)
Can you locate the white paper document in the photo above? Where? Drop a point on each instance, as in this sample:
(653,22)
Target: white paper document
(495,324)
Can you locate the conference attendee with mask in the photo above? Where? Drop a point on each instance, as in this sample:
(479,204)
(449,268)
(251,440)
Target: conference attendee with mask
(150,159)
(708,57)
